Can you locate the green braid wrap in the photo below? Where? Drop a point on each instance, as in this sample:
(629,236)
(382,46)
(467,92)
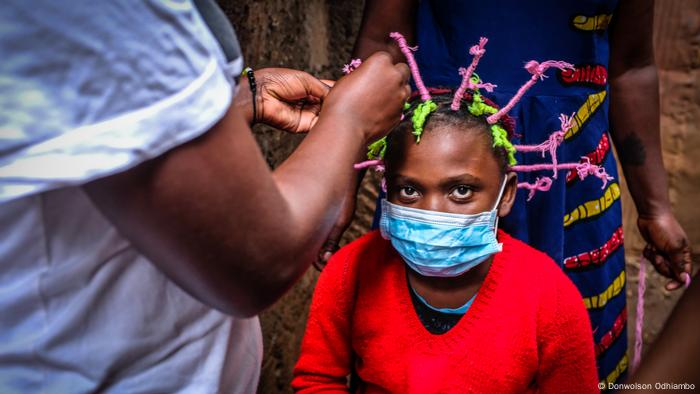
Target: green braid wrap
(377,149)
(478,107)
(420,115)
(500,140)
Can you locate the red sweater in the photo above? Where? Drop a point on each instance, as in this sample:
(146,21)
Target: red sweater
(526,331)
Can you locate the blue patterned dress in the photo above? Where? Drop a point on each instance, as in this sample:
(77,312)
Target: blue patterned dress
(577,223)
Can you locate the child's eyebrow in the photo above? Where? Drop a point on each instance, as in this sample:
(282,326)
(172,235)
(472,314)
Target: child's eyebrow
(461,178)
(398,178)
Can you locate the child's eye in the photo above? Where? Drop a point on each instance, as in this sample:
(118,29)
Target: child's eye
(461,192)
(408,193)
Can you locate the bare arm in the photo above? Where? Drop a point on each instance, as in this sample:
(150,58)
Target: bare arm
(634,115)
(380,18)
(213,217)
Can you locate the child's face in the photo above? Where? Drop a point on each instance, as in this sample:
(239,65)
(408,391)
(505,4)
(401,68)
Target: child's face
(451,171)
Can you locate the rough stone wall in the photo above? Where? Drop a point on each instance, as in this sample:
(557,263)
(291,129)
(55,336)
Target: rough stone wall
(317,36)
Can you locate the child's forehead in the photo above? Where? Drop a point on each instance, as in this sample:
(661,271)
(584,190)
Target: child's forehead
(448,146)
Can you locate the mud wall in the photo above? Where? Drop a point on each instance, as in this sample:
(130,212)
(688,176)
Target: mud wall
(317,36)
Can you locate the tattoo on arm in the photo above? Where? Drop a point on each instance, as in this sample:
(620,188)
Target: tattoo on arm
(632,151)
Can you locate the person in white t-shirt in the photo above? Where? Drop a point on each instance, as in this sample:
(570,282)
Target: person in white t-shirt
(141,230)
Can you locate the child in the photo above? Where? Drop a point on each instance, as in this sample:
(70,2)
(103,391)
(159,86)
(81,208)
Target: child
(440,301)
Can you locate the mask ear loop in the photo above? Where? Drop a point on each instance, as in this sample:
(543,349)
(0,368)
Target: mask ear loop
(498,201)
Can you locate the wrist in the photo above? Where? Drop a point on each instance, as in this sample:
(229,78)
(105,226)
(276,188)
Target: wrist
(651,208)
(349,132)
(247,99)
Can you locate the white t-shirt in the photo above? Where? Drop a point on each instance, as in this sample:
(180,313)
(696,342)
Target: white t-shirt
(89,89)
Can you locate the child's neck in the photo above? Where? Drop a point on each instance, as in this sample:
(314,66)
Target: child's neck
(450,292)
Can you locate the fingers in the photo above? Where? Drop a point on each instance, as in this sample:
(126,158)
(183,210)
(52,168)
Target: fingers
(315,87)
(324,255)
(405,72)
(677,266)
(329,82)
(308,116)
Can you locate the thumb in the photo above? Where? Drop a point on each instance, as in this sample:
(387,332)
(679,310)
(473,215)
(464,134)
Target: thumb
(315,87)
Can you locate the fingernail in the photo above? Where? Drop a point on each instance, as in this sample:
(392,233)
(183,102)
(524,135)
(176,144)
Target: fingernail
(327,256)
(686,279)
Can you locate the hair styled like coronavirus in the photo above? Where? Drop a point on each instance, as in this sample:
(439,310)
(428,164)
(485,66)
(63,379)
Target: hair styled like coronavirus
(467,102)
(471,116)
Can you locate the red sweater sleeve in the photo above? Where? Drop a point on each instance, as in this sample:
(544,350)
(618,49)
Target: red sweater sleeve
(567,357)
(326,353)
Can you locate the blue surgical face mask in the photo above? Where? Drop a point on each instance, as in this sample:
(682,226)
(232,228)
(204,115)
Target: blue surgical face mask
(440,243)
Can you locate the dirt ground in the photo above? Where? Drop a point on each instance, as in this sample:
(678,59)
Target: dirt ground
(317,36)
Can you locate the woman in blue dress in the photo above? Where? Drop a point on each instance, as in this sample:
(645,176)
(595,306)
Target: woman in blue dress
(613,94)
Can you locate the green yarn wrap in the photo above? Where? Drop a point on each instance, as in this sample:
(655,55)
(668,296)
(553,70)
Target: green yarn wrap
(377,149)
(500,136)
(500,140)
(420,115)
(478,107)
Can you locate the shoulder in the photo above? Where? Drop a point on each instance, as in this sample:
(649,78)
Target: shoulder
(338,283)
(367,251)
(539,269)
(369,248)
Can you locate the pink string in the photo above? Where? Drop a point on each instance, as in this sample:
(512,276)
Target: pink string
(583,169)
(553,142)
(639,324)
(537,70)
(544,166)
(406,50)
(555,139)
(477,51)
(352,66)
(377,164)
(540,184)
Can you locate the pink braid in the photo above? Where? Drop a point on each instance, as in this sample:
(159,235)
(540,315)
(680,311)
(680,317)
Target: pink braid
(477,51)
(367,164)
(584,169)
(541,184)
(406,50)
(544,166)
(537,70)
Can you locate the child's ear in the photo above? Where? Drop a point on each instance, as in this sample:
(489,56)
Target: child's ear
(509,191)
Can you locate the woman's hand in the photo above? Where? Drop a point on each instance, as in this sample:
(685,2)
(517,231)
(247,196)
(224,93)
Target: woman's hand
(667,247)
(370,99)
(286,99)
